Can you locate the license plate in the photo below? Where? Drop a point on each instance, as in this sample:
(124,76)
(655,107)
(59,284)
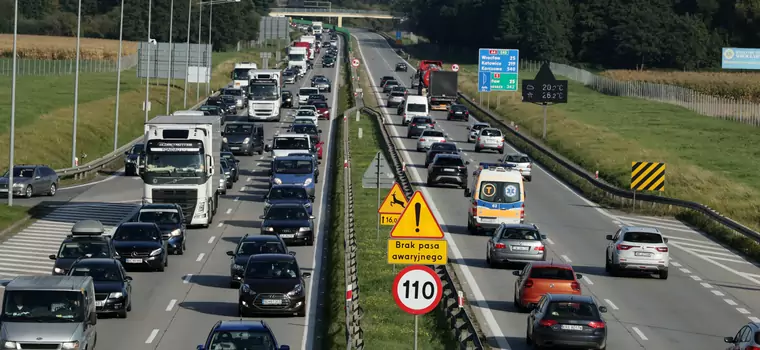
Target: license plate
(457,112)
(100,303)
(234,148)
(487,220)
(449,170)
(134,261)
(271,302)
(643,254)
(519,247)
(571,327)
(289,235)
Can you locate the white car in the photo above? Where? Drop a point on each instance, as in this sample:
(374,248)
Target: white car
(395,99)
(304,93)
(521,162)
(305,113)
(307,107)
(637,249)
(428,138)
(490,138)
(475,129)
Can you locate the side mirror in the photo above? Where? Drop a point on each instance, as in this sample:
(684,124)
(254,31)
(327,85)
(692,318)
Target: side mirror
(52,256)
(603,309)
(665,239)
(269,172)
(517,273)
(608,237)
(467,192)
(729,340)
(223,133)
(319,131)
(468,128)
(267,148)
(230,253)
(306,274)
(467,162)
(292,253)
(261,217)
(311,217)
(543,237)
(237,160)
(311,198)
(93,319)
(475,173)
(578,276)
(126,153)
(127,278)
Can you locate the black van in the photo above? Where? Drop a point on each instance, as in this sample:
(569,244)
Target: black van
(244,138)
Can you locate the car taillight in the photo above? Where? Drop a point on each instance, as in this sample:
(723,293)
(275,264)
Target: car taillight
(540,248)
(596,324)
(752,347)
(421,139)
(432,125)
(662,249)
(530,166)
(547,323)
(522,211)
(444,140)
(474,211)
(500,246)
(478,139)
(414,124)
(575,286)
(623,247)
(528,283)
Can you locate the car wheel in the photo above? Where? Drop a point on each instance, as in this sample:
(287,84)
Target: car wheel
(501,151)
(260,152)
(614,269)
(241,311)
(234,284)
(606,264)
(122,314)
(53,189)
(28,191)
(477,149)
(488,260)
(663,274)
(529,178)
(166,262)
(180,251)
(302,312)
(161,268)
(429,183)
(129,306)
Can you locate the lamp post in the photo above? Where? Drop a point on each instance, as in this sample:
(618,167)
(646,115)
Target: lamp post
(187,54)
(13,107)
(197,72)
(76,89)
(208,71)
(147,67)
(171,58)
(118,79)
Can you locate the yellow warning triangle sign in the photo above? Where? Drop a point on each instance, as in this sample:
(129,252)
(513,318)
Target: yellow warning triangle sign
(394,202)
(417,220)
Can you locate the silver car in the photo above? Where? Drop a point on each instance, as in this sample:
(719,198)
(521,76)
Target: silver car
(491,139)
(748,337)
(521,162)
(428,138)
(515,243)
(290,78)
(30,180)
(475,129)
(396,98)
(237,93)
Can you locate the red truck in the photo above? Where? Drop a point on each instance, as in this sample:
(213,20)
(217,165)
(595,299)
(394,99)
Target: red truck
(306,45)
(420,77)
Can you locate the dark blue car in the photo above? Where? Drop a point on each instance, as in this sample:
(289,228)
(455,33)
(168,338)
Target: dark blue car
(279,194)
(241,334)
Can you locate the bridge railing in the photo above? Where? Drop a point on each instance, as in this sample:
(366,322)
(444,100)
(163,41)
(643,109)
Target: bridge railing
(332,10)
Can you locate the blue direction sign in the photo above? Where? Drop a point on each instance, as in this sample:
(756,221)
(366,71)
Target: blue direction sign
(398,35)
(498,69)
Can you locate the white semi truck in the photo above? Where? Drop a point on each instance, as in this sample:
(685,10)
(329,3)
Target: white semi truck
(316,27)
(180,164)
(297,56)
(264,99)
(241,74)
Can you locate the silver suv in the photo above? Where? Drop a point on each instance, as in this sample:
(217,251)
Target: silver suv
(637,249)
(30,180)
(490,138)
(475,129)
(521,162)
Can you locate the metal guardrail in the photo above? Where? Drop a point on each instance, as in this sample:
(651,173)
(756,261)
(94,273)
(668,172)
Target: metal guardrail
(332,10)
(609,189)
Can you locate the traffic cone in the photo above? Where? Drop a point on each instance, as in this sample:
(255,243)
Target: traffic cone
(345,163)
(76,161)
(517,128)
(403,166)
(596,174)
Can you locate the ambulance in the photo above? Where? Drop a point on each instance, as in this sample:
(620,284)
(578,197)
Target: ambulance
(497,196)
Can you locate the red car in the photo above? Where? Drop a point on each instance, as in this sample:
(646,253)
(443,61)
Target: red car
(322,108)
(319,149)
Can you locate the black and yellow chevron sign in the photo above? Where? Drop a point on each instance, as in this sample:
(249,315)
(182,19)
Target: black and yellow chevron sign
(646,176)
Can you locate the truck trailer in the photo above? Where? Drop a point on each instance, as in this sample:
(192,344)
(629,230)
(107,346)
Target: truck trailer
(442,88)
(240,75)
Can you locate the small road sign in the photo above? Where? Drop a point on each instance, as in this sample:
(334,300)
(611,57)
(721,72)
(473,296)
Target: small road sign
(417,289)
(355,62)
(417,220)
(545,88)
(417,251)
(455,67)
(393,205)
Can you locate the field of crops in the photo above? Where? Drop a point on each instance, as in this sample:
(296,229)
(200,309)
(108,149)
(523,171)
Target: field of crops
(723,84)
(39,47)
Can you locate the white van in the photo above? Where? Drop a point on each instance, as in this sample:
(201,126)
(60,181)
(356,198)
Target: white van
(304,92)
(415,106)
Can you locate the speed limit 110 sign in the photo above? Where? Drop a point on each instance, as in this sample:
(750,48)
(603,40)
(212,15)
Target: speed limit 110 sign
(417,289)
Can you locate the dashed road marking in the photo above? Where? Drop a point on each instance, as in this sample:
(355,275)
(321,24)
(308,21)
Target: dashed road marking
(228,211)
(211,239)
(696,278)
(171,305)
(247,179)
(754,319)
(152,336)
(639,333)
(236,199)
(550,241)
(730,302)
(706,285)
(675,264)
(242,189)
(743,311)
(187,278)
(611,304)
(588,280)
(717,293)
(220,224)
(200,257)
(686,271)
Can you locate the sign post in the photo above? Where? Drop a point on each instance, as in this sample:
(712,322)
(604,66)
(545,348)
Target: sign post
(497,70)
(545,89)
(417,290)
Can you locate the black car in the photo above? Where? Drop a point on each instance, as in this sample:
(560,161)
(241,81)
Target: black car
(458,112)
(113,288)
(85,241)
(228,105)
(308,129)
(419,124)
(130,159)
(328,62)
(171,222)
(251,245)
(288,194)
(287,99)
(140,244)
(244,137)
(401,67)
(234,164)
(440,148)
(291,221)
(567,320)
(272,284)
(447,169)
(212,110)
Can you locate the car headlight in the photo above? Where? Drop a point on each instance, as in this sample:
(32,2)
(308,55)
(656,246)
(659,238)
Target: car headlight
(277,181)
(268,229)
(115,295)
(157,252)
(70,345)
(304,229)
(247,139)
(9,345)
(58,270)
(307,205)
(238,267)
(247,289)
(129,160)
(224,139)
(307,182)
(298,290)
(176,233)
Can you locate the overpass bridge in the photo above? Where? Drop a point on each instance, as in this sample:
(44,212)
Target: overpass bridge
(330,12)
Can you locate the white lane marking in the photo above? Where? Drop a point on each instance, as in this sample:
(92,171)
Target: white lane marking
(242,189)
(152,336)
(743,311)
(611,304)
(247,179)
(550,241)
(730,302)
(187,278)
(220,224)
(564,257)
(211,239)
(706,285)
(236,199)
(675,264)
(587,280)
(686,271)
(754,319)
(228,211)
(718,293)
(639,333)
(200,257)
(696,278)
(171,305)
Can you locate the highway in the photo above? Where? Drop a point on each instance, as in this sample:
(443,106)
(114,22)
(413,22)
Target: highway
(177,308)
(710,294)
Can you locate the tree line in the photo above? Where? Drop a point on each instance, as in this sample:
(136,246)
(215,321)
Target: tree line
(682,34)
(232,22)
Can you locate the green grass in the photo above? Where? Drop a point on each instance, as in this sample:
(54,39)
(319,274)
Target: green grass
(11,215)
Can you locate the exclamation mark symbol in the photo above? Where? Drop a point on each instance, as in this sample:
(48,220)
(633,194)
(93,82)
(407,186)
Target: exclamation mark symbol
(417,209)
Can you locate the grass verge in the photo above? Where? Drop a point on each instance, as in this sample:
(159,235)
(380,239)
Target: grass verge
(11,215)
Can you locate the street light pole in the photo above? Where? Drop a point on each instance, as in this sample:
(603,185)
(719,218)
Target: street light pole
(171,58)
(118,80)
(13,107)
(76,89)
(187,54)
(208,71)
(147,73)
(197,72)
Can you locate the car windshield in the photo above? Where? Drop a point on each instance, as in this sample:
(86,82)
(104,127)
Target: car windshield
(286,213)
(261,247)
(229,157)
(317,97)
(643,237)
(458,108)
(490,132)
(137,233)
(305,113)
(449,161)
(442,146)
(516,159)
(99,273)
(228,99)
(238,129)
(416,107)
(21,172)
(279,193)
(432,133)
(169,217)
(137,149)
(304,129)
(552,273)
(524,234)
(572,311)
(246,340)
(241,73)
(287,94)
(233,92)
(391,83)
(421,120)
(43,306)
(307,91)
(499,192)
(285,269)
(291,143)
(90,249)
(293,166)
(397,94)
(321,81)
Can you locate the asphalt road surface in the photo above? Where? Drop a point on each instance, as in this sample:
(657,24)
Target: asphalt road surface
(177,308)
(711,291)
